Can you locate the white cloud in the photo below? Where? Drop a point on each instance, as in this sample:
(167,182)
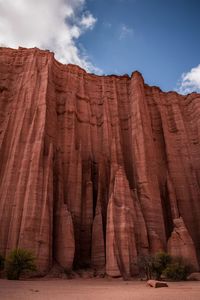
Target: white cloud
(125,31)
(48,24)
(190,82)
(88,20)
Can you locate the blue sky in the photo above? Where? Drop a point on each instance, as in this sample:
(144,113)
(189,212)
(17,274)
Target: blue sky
(159,38)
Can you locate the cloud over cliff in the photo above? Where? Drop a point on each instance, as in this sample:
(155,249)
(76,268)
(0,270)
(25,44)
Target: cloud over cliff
(190,81)
(48,24)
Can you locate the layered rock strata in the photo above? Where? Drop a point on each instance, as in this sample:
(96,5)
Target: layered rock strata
(95,171)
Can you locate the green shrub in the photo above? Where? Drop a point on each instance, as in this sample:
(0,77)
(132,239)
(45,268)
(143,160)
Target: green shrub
(2,262)
(160,262)
(177,270)
(19,262)
(145,265)
(163,264)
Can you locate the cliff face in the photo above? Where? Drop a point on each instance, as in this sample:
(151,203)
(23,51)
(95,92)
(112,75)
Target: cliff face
(95,170)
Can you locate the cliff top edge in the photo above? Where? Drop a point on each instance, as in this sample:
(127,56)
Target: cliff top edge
(135,74)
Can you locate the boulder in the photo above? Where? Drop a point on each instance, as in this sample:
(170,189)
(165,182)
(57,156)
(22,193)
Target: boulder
(156,284)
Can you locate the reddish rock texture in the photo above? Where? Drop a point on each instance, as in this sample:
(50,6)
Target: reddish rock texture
(95,169)
(180,244)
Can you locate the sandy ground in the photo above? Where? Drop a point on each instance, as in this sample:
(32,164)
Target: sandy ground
(95,289)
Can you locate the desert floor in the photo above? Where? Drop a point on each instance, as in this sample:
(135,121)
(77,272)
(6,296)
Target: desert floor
(95,289)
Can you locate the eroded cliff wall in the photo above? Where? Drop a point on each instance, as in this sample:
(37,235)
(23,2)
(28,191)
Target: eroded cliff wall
(95,170)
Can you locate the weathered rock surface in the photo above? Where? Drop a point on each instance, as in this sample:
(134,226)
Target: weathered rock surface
(121,250)
(95,169)
(180,244)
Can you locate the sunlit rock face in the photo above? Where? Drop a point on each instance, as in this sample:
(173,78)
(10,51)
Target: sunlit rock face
(95,170)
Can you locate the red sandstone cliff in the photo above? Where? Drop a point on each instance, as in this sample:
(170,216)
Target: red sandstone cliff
(95,170)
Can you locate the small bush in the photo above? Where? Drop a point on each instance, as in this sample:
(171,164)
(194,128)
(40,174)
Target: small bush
(145,264)
(160,262)
(19,262)
(177,270)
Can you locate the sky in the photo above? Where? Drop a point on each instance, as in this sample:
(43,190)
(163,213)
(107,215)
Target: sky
(159,38)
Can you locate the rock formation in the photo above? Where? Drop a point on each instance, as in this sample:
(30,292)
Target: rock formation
(180,244)
(95,170)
